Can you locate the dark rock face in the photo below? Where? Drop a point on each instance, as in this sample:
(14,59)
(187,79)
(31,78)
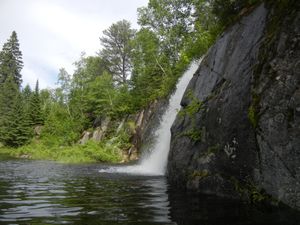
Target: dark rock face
(238,134)
(145,123)
(278,132)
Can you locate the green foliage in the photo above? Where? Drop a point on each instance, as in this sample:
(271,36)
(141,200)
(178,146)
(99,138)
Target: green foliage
(35,110)
(228,11)
(251,192)
(193,107)
(213,149)
(253,111)
(252,115)
(64,82)
(14,125)
(60,128)
(198,44)
(90,152)
(148,71)
(132,70)
(199,174)
(117,48)
(181,25)
(11,60)
(194,134)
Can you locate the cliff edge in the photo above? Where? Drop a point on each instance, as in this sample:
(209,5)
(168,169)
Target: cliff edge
(238,133)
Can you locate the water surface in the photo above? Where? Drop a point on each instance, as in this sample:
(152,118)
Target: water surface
(42,192)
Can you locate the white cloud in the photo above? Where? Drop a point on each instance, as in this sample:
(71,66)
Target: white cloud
(53,33)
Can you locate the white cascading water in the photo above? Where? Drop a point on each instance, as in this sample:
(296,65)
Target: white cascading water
(155,163)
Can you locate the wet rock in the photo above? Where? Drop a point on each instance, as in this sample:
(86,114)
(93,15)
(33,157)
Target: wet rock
(248,85)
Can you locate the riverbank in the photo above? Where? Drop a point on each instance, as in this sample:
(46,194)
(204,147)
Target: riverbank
(87,153)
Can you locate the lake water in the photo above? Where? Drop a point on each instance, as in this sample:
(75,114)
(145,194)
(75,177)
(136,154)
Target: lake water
(42,192)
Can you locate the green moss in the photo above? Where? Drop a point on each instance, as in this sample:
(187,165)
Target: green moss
(251,192)
(253,110)
(213,149)
(193,134)
(278,10)
(194,106)
(252,116)
(199,174)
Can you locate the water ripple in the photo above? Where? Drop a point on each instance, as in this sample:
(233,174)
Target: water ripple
(39,192)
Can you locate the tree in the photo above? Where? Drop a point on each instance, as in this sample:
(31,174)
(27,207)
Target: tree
(64,82)
(148,68)
(36,114)
(14,127)
(179,24)
(227,10)
(8,94)
(117,49)
(171,20)
(20,130)
(11,60)
(26,96)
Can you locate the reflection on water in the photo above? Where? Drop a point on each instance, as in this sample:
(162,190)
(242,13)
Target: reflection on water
(39,192)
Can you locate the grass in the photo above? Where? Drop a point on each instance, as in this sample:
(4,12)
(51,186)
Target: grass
(90,152)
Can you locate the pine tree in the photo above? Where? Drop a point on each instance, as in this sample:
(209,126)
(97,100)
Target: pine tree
(35,107)
(11,60)
(117,49)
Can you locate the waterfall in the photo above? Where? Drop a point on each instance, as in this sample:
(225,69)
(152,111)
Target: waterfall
(155,163)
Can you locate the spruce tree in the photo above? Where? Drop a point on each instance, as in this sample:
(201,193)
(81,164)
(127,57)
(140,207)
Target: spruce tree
(11,60)
(14,128)
(35,107)
(20,130)
(26,96)
(8,93)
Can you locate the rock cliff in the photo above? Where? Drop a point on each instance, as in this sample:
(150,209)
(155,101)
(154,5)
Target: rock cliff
(238,133)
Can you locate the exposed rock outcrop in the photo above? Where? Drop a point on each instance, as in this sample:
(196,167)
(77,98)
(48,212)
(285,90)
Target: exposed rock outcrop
(139,126)
(100,131)
(85,137)
(144,124)
(238,134)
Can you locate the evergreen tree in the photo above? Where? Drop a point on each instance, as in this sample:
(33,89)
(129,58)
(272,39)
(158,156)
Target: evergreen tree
(36,114)
(117,49)
(26,97)
(8,93)
(14,127)
(11,60)
(20,130)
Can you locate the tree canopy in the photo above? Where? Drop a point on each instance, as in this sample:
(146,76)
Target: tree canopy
(11,62)
(132,69)
(117,49)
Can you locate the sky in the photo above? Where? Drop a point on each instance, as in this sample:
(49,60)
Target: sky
(53,33)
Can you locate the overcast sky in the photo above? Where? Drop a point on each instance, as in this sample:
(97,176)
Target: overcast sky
(53,33)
